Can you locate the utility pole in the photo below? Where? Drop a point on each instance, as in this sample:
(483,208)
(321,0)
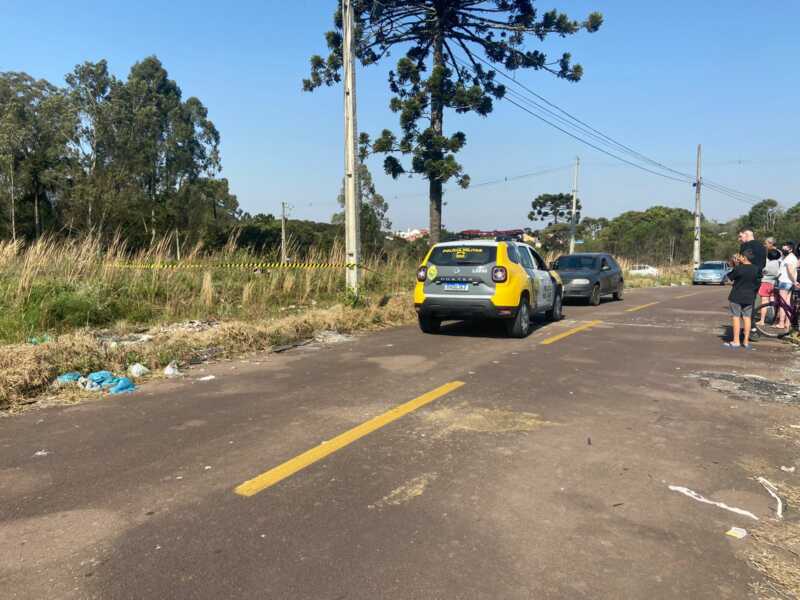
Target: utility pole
(352,189)
(574,206)
(283,232)
(698,182)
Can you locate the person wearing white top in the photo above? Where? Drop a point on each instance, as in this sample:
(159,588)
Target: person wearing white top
(787,281)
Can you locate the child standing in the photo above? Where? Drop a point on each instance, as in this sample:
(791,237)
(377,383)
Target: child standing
(742,297)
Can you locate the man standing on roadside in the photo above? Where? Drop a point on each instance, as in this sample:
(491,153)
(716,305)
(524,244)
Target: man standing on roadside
(748,241)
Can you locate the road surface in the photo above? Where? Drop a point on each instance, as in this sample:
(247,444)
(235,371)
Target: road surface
(540,470)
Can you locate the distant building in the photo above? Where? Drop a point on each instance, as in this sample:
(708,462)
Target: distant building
(411,235)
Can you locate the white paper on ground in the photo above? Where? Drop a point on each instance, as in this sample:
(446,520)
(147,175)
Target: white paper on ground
(695,496)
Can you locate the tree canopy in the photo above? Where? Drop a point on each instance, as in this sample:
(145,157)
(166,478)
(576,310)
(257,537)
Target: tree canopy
(108,155)
(554,208)
(450,52)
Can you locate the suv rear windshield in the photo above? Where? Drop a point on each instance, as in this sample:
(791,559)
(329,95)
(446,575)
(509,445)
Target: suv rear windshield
(575,262)
(712,266)
(451,256)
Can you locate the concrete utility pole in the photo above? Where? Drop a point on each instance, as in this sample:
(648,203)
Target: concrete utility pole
(572,222)
(283,232)
(697,185)
(352,189)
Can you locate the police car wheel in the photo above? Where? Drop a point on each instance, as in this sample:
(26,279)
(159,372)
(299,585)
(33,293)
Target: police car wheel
(520,325)
(555,314)
(429,324)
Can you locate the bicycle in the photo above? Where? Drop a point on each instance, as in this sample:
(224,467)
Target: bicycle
(773,307)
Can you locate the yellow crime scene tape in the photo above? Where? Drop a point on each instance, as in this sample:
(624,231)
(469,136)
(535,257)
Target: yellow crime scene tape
(236,265)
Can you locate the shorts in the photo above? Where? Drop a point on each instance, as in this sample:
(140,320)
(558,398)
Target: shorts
(785,285)
(741,310)
(766,289)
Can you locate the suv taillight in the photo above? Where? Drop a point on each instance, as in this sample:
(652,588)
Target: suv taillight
(422,273)
(499,274)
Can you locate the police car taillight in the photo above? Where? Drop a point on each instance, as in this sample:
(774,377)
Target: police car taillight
(422,273)
(499,274)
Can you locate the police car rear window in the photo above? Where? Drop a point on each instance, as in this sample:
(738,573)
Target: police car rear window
(452,256)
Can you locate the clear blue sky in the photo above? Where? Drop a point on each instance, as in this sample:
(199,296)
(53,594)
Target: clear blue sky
(659,77)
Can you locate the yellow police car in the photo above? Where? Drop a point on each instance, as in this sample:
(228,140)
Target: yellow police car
(486,279)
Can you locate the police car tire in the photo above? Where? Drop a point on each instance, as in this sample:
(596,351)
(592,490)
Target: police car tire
(429,324)
(555,313)
(516,327)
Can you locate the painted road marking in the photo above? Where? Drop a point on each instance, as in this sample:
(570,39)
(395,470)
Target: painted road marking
(687,295)
(643,306)
(570,332)
(309,457)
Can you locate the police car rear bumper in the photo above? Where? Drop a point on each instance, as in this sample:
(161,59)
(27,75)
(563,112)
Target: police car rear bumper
(463,308)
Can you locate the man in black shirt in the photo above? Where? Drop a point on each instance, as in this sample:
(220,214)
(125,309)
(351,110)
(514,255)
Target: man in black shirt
(745,278)
(748,241)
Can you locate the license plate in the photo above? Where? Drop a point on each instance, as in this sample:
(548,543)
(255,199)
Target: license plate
(456,287)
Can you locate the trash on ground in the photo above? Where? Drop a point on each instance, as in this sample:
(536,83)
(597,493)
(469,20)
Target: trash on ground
(207,378)
(695,496)
(773,491)
(207,468)
(41,452)
(36,340)
(67,378)
(100,377)
(787,469)
(138,370)
(97,381)
(113,341)
(736,532)
(332,337)
(285,347)
(171,370)
(123,385)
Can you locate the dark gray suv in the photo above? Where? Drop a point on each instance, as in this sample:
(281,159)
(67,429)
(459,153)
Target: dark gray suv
(590,275)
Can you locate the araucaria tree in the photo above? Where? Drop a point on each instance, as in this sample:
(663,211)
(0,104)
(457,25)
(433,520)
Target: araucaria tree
(449,50)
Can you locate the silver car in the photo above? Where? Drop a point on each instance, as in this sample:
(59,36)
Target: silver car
(715,272)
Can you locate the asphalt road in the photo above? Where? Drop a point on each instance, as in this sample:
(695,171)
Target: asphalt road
(545,475)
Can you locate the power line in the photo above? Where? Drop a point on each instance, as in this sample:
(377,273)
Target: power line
(601,138)
(506,179)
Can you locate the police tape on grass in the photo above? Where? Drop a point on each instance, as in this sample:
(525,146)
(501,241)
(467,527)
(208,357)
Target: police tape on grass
(235,266)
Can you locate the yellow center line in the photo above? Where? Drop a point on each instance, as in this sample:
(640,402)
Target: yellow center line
(570,332)
(309,457)
(643,306)
(687,295)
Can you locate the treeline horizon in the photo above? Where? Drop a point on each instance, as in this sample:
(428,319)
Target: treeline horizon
(133,159)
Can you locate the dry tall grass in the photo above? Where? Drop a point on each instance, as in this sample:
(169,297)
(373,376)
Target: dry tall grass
(53,285)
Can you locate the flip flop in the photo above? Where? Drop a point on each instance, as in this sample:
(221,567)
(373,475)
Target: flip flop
(748,347)
(729,345)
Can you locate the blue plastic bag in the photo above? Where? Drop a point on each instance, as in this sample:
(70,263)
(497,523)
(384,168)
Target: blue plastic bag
(71,377)
(100,377)
(123,385)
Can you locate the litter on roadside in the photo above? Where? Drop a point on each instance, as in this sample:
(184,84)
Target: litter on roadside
(123,385)
(42,339)
(700,498)
(207,378)
(171,370)
(138,370)
(285,347)
(41,452)
(332,337)
(787,469)
(736,532)
(773,491)
(67,378)
(97,381)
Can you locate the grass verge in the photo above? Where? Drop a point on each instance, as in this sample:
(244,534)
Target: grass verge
(27,370)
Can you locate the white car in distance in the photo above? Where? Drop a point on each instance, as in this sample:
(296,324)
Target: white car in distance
(643,271)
